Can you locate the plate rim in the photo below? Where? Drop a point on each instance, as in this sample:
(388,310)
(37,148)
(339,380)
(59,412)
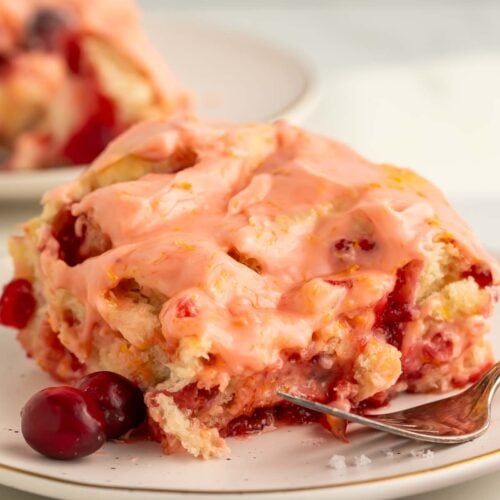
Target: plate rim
(489,458)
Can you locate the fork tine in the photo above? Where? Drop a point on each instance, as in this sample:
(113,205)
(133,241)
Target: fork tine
(336,412)
(378,422)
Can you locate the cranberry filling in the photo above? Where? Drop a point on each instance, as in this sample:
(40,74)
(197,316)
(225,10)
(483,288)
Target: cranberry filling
(94,134)
(347,283)
(439,348)
(397,310)
(344,245)
(17,304)
(77,246)
(482,275)
(57,352)
(194,399)
(373,402)
(295,415)
(44,29)
(63,423)
(4,64)
(63,230)
(120,400)
(366,245)
(263,418)
(72,53)
(186,308)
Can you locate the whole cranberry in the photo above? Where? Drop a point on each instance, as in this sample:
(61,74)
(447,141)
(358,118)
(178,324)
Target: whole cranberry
(121,401)
(63,423)
(17,304)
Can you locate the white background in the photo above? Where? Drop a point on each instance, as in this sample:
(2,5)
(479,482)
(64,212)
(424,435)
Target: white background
(412,82)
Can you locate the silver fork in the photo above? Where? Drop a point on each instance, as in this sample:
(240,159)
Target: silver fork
(452,420)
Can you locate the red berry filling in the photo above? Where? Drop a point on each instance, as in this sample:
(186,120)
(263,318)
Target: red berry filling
(17,304)
(265,418)
(194,399)
(344,245)
(72,53)
(63,230)
(4,64)
(482,275)
(63,423)
(347,283)
(439,348)
(397,310)
(378,400)
(186,308)
(120,400)
(75,246)
(57,353)
(94,134)
(366,245)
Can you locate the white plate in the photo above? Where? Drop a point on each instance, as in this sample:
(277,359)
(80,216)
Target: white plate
(289,463)
(233,77)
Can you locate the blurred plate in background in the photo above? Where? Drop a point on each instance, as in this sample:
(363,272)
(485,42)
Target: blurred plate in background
(233,77)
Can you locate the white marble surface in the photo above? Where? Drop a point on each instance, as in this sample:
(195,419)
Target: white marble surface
(415,82)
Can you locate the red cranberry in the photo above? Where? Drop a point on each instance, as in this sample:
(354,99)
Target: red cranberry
(121,401)
(44,29)
(482,275)
(343,245)
(366,245)
(186,308)
(63,423)
(17,304)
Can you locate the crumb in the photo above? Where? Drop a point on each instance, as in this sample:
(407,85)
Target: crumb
(337,462)
(361,460)
(422,453)
(314,441)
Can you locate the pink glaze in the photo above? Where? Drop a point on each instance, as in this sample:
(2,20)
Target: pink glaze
(277,194)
